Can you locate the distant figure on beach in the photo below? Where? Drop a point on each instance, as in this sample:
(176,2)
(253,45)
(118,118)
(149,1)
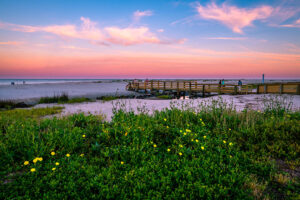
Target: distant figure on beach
(240,84)
(223,82)
(12,83)
(220,83)
(23,82)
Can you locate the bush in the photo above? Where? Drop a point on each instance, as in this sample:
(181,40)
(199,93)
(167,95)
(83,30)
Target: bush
(177,153)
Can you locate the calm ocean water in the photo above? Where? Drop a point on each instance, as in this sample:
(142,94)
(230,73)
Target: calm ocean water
(41,81)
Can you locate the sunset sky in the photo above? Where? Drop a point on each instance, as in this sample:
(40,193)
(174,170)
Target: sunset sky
(149,39)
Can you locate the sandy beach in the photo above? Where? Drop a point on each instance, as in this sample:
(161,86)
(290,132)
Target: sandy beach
(32,92)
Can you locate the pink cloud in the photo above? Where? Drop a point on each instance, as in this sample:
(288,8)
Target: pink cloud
(296,24)
(129,36)
(233,17)
(13,43)
(95,35)
(137,15)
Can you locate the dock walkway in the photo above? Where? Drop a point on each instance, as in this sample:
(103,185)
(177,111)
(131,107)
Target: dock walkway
(194,87)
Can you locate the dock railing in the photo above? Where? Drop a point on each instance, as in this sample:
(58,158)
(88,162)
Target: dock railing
(204,88)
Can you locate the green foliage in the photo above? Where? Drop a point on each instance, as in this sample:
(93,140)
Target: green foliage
(62,98)
(214,153)
(164,97)
(108,98)
(77,100)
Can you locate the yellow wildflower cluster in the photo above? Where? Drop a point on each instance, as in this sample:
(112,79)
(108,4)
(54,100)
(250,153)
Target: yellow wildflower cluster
(154,145)
(122,163)
(188,130)
(37,159)
(26,162)
(83,136)
(168,150)
(165,119)
(180,153)
(68,155)
(52,153)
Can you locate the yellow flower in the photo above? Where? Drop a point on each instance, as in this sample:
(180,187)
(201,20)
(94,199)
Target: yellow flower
(52,153)
(169,150)
(68,155)
(167,126)
(32,169)
(230,156)
(184,133)
(81,155)
(122,163)
(35,160)
(229,129)
(83,136)
(57,163)
(197,140)
(40,159)
(258,111)
(230,143)
(180,146)
(53,169)
(26,162)
(126,134)
(180,131)
(188,130)
(202,147)
(204,136)
(154,145)
(224,141)
(180,153)
(192,140)
(165,119)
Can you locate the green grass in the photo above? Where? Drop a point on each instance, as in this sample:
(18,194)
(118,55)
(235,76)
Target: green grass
(63,99)
(107,98)
(10,104)
(164,97)
(214,153)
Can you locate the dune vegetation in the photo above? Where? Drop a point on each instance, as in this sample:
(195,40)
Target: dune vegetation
(208,152)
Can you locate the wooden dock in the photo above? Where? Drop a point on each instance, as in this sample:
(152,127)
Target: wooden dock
(203,89)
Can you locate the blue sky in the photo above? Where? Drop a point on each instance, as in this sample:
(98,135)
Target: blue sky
(162,28)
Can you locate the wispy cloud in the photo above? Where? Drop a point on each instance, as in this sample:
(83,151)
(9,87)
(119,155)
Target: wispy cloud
(233,17)
(13,43)
(88,30)
(226,38)
(137,15)
(296,24)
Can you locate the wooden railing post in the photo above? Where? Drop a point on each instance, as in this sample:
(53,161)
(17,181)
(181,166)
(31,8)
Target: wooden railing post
(203,90)
(235,89)
(280,89)
(164,85)
(257,89)
(190,89)
(151,85)
(298,89)
(265,88)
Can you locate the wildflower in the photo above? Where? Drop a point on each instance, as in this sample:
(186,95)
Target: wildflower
(81,155)
(229,129)
(230,143)
(180,131)
(192,140)
(200,119)
(35,160)
(122,163)
(154,145)
(68,155)
(204,136)
(180,153)
(165,119)
(202,147)
(40,159)
(224,141)
(188,130)
(197,140)
(184,133)
(258,111)
(169,150)
(32,169)
(180,146)
(57,163)
(26,162)
(83,136)
(230,156)
(52,153)
(53,169)
(167,126)
(126,134)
